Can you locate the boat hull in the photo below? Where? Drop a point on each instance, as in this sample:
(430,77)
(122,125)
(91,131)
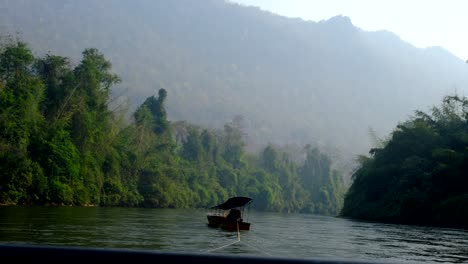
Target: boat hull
(223,223)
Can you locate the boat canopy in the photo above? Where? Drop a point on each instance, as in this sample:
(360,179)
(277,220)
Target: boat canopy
(232,203)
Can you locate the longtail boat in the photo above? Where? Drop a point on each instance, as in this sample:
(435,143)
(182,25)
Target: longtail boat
(230,214)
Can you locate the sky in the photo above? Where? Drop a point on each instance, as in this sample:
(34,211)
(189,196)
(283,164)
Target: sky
(423,23)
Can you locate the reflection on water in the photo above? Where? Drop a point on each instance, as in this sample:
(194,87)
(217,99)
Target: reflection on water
(271,234)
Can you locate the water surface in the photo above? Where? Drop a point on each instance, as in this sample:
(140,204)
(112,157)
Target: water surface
(271,234)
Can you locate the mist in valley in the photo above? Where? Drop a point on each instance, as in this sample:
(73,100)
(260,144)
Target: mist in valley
(289,81)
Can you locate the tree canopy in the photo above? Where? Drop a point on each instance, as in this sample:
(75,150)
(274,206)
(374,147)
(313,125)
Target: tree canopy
(420,176)
(60,144)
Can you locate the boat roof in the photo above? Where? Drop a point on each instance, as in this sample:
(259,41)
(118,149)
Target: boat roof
(233,202)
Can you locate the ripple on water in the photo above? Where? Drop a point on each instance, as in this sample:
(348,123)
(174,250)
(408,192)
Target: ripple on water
(272,234)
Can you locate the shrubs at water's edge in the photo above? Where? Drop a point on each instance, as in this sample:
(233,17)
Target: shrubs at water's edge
(420,176)
(60,144)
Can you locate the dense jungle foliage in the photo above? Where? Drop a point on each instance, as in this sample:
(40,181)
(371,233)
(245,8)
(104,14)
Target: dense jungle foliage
(294,81)
(420,176)
(62,144)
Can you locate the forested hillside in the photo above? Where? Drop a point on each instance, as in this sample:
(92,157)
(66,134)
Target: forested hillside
(210,99)
(294,82)
(420,175)
(60,144)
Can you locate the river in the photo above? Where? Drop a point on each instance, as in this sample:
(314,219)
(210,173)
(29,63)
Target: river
(272,234)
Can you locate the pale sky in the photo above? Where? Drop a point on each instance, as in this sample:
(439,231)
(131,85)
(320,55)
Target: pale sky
(423,23)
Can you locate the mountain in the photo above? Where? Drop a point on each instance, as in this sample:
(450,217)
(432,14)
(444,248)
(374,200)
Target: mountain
(293,81)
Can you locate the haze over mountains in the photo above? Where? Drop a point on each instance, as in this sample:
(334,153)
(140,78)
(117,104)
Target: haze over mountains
(293,81)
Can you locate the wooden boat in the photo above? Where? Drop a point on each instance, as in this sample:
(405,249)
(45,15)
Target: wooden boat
(230,214)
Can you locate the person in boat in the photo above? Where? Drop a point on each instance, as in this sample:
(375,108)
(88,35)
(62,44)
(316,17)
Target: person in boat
(234,215)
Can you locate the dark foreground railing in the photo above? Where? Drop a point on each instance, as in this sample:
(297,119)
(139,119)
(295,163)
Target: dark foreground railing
(57,254)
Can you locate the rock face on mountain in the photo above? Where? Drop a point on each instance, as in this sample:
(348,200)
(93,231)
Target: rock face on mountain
(293,81)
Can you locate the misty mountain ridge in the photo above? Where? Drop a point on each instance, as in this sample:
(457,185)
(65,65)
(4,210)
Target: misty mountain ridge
(293,81)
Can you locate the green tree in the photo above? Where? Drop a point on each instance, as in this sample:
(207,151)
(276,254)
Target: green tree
(21,93)
(419,176)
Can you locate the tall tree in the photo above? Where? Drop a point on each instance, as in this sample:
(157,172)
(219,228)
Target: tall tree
(21,93)
(419,176)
